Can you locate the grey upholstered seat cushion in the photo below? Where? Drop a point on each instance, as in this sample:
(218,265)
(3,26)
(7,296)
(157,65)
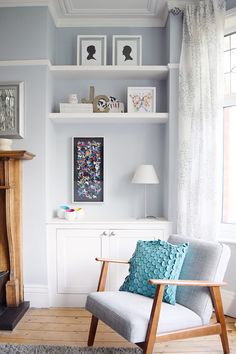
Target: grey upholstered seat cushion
(128,314)
(204,261)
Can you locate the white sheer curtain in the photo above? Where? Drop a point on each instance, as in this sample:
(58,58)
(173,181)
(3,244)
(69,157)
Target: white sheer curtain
(200,120)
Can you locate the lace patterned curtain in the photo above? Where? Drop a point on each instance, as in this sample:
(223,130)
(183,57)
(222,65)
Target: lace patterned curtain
(200,120)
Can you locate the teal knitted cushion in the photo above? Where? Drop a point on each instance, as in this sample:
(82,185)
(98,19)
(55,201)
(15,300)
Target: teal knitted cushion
(154,260)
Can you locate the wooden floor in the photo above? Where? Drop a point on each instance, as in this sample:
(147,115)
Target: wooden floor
(68,326)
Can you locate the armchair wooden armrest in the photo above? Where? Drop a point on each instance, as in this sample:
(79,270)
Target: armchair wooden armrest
(111,260)
(185,282)
(217,328)
(104,270)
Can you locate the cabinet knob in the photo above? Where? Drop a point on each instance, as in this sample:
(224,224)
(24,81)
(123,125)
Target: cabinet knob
(104,233)
(112,234)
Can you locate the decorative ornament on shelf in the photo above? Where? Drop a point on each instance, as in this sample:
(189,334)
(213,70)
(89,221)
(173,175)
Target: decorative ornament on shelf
(5,144)
(73,99)
(103,103)
(91,96)
(100,104)
(115,106)
(61,211)
(70,214)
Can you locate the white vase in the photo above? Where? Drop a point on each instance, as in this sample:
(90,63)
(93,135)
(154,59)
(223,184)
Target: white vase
(5,144)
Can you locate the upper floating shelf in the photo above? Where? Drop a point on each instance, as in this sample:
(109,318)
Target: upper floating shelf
(110,72)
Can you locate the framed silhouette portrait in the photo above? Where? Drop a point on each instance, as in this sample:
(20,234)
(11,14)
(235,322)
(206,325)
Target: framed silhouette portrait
(127,50)
(91,50)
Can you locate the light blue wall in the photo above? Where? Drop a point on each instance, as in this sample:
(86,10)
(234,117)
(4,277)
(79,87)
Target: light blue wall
(29,33)
(126,146)
(34,196)
(154,46)
(23,33)
(50,38)
(174,39)
(174,30)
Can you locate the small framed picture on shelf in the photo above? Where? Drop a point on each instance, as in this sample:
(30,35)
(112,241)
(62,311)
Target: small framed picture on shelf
(12,110)
(141,99)
(127,50)
(91,50)
(88,169)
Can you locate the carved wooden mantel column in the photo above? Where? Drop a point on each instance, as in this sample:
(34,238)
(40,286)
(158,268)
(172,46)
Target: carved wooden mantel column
(11,232)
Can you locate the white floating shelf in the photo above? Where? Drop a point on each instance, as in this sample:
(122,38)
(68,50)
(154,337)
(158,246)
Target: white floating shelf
(110,72)
(86,118)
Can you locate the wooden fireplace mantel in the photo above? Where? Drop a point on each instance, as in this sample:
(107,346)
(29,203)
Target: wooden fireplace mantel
(16,154)
(11,223)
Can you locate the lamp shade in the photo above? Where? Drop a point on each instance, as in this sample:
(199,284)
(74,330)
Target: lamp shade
(145,174)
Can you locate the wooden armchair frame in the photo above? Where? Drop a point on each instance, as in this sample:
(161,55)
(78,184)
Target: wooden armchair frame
(151,337)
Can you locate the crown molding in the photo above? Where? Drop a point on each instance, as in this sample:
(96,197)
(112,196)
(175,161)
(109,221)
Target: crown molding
(23,3)
(65,14)
(110,22)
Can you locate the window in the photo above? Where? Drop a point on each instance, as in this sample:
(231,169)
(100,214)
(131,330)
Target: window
(229,173)
(230,64)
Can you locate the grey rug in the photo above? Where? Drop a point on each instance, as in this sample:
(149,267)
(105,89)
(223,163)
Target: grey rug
(51,349)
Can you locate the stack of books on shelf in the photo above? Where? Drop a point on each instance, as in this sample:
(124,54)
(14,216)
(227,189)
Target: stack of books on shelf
(76,108)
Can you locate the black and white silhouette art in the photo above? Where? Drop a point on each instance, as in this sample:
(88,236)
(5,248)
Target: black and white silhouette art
(127,50)
(91,50)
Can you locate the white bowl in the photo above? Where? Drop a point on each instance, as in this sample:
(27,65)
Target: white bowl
(70,215)
(80,214)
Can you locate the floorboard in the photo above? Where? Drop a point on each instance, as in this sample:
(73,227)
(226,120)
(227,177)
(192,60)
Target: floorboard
(69,326)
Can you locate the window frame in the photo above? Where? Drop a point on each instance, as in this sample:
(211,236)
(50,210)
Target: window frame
(227,231)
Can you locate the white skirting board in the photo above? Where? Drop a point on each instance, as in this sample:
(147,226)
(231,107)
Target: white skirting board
(229,302)
(38,295)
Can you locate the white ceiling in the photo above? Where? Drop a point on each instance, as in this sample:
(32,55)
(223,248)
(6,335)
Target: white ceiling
(94,13)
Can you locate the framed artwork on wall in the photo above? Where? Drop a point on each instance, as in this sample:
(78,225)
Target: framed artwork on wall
(12,110)
(127,50)
(141,99)
(88,169)
(91,50)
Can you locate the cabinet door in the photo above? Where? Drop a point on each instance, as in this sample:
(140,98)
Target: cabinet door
(77,270)
(121,246)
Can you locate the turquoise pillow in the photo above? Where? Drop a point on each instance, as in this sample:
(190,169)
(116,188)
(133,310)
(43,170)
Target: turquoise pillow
(154,260)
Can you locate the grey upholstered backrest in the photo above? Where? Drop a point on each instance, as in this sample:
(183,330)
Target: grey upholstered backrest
(204,261)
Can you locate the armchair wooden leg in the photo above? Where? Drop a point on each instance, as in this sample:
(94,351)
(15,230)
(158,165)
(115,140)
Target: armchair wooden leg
(153,322)
(217,301)
(92,331)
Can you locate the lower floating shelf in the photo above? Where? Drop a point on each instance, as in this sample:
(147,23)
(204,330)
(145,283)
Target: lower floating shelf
(73,118)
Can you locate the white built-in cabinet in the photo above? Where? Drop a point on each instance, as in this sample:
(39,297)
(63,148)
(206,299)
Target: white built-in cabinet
(73,246)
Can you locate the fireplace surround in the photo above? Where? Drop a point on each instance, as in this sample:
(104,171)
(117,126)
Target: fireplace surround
(12,304)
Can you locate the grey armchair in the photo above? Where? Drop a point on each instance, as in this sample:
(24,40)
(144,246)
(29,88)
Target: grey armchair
(144,321)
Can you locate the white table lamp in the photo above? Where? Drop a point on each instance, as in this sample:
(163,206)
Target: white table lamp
(145,174)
